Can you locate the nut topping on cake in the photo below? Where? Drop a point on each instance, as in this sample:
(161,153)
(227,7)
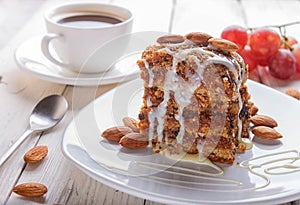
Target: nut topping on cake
(223,44)
(170,39)
(198,37)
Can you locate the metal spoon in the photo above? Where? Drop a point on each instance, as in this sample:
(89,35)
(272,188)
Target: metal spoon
(45,115)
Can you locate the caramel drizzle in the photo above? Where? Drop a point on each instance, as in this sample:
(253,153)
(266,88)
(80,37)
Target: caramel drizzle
(267,165)
(271,170)
(219,182)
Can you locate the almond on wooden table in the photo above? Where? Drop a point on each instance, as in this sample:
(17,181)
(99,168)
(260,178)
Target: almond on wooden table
(36,154)
(293,93)
(264,120)
(134,140)
(30,189)
(265,132)
(116,133)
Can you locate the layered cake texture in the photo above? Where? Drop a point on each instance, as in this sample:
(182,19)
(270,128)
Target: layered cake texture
(195,97)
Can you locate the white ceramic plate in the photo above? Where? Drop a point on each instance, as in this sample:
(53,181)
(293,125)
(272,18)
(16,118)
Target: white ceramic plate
(29,57)
(139,172)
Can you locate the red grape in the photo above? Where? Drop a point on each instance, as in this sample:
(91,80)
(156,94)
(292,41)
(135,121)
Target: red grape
(296,53)
(282,64)
(263,61)
(264,44)
(248,58)
(236,34)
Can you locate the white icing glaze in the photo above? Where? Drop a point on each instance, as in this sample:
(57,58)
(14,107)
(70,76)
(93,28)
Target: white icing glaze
(239,83)
(159,115)
(150,81)
(247,142)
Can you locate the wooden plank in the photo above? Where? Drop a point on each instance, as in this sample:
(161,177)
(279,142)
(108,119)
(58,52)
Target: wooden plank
(100,193)
(19,94)
(61,177)
(10,22)
(154,15)
(207,16)
(262,13)
(66,184)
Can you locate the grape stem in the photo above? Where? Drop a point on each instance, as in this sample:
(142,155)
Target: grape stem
(282,30)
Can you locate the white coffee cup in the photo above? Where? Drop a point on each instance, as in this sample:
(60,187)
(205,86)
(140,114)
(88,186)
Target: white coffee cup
(77,30)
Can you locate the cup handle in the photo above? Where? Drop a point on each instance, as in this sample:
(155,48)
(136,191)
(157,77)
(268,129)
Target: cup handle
(46,51)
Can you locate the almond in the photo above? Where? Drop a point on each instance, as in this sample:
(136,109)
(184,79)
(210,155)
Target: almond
(170,39)
(198,37)
(263,120)
(266,133)
(131,123)
(223,44)
(116,133)
(253,110)
(134,140)
(293,93)
(30,189)
(36,154)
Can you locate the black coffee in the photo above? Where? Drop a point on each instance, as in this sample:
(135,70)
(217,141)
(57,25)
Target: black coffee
(89,20)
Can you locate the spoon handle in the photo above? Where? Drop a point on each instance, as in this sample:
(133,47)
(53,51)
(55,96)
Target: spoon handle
(12,149)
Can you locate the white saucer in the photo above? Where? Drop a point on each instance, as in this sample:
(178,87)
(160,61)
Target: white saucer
(30,58)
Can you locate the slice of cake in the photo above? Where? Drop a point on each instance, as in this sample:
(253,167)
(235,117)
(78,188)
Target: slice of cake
(195,97)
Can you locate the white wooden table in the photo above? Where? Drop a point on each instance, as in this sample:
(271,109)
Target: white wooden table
(19,92)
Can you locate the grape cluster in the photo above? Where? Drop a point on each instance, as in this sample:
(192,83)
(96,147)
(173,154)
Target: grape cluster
(266,47)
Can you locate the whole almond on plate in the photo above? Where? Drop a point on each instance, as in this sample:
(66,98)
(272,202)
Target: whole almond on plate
(131,123)
(170,39)
(264,120)
(30,189)
(36,154)
(116,133)
(266,133)
(223,44)
(253,110)
(198,37)
(134,140)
